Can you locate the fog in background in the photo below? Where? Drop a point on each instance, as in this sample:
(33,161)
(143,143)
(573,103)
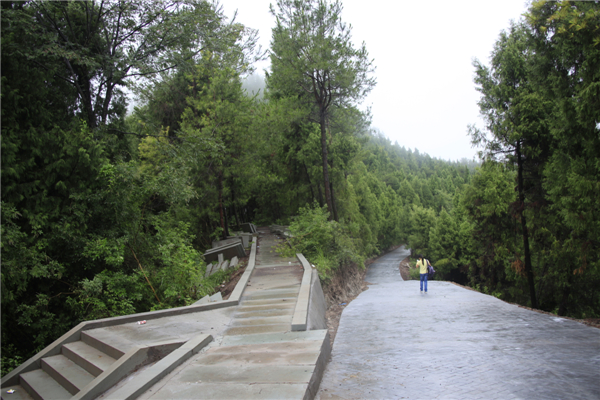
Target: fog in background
(425,96)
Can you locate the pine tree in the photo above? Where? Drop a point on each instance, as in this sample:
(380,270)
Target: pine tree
(313,58)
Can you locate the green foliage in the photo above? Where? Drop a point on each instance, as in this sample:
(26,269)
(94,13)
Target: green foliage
(415,274)
(325,243)
(180,265)
(108,294)
(540,98)
(444,246)
(10,359)
(490,228)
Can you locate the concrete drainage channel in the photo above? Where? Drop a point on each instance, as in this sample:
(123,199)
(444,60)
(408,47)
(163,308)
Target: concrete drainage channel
(274,360)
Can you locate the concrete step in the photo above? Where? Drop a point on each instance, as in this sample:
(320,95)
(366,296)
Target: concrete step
(274,338)
(275,300)
(272,306)
(68,374)
(19,393)
(277,262)
(285,319)
(297,352)
(264,313)
(107,345)
(277,269)
(272,294)
(89,358)
(41,386)
(252,329)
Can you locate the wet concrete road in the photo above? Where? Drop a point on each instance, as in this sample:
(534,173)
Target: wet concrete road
(454,343)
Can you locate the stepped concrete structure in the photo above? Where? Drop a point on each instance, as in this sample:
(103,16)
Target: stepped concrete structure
(255,344)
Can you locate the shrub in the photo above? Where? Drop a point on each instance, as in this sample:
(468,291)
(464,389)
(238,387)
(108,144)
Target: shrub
(327,244)
(414,273)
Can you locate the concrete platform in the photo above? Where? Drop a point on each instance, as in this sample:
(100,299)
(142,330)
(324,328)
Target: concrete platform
(181,327)
(285,366)
(19,393)
(455,343)
(219,391)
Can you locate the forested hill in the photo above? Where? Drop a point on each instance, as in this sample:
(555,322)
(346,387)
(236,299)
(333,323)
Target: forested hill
(105,213)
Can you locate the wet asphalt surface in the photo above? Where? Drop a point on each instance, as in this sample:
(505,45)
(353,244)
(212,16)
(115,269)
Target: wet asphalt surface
(453,343)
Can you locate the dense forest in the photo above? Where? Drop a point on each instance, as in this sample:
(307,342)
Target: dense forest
(107,212)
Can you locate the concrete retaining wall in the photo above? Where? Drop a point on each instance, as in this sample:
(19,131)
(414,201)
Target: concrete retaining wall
(309,313)
(228,251)
(219,243)
(317,304)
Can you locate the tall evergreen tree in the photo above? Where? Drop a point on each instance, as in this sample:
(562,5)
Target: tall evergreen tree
(313,58)
(516,120)
(565,38)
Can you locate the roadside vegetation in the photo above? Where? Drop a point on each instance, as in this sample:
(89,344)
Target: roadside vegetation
(106,212)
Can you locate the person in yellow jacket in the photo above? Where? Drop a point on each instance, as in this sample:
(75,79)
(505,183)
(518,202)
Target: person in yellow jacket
(422,265)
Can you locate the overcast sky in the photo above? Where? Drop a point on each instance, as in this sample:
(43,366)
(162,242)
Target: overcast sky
(425,96)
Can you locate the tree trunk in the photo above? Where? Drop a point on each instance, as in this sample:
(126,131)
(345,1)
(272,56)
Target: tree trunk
(325,164)
(107,99)
(86,99)
(312,193)
(335,213)
(226,231)
(321,204)
(235,210)
(564,303)
(528,267)
(221,211)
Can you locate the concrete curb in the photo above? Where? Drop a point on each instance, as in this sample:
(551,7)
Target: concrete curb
(243,282)
(146,379)
(300,317)
(12,378)
(317,376)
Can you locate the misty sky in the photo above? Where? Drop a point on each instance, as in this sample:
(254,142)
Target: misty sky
(425,96)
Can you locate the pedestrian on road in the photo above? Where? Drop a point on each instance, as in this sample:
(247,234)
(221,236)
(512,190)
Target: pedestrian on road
(422,265)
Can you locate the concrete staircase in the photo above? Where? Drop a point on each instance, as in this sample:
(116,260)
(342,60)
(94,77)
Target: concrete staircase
(269,300)
(258,356)
(66,374)
(267,313)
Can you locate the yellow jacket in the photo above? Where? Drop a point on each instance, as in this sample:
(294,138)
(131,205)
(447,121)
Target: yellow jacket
(422,264)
